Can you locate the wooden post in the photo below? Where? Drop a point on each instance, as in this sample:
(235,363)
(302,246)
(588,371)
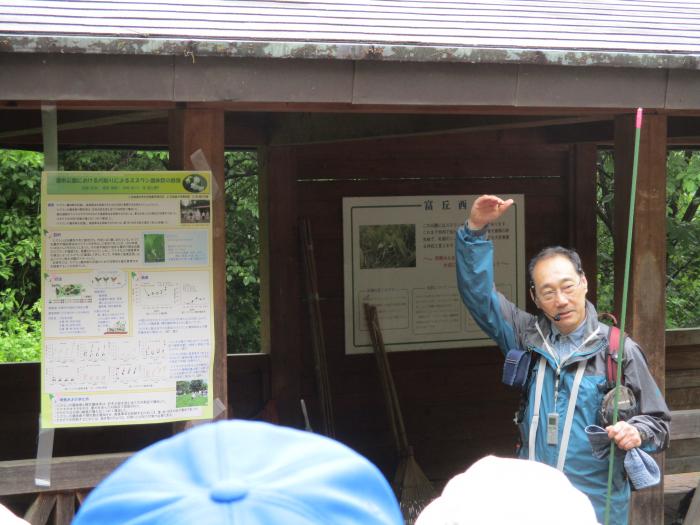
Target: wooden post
(647,285)
(281,302)
(40,510)
(582,211)
(65,508)
(190,130)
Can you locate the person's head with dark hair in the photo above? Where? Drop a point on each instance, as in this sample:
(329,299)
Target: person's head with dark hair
(243,472)
(558,286)
(553,251)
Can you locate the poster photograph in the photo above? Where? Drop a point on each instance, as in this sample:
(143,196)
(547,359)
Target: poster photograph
(127,298)
(399,255)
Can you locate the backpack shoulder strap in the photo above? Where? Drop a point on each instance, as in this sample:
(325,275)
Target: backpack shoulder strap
(613,347)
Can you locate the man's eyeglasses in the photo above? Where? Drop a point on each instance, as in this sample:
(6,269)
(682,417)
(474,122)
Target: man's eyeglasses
(550,295)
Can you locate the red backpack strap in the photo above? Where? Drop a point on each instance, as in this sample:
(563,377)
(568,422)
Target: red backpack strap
(613,347)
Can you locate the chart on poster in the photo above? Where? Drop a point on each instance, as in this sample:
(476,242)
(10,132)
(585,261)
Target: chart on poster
(127,296)
(399,255)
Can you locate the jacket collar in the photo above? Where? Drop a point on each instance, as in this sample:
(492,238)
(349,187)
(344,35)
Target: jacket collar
(591,326)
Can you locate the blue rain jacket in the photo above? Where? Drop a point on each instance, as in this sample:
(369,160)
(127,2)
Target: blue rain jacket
(511,328)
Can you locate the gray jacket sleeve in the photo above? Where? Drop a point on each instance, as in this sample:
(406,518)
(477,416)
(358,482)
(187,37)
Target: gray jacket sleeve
(653,421)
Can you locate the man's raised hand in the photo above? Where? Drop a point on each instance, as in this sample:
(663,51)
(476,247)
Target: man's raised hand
(487,209)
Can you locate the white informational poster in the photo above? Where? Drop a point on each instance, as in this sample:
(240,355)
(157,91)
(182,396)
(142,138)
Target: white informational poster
(399,255)
(128,322)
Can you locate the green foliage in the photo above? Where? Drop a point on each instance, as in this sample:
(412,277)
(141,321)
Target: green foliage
(197,385)
(185,400)
(242,252)
(154,247)
(683,237)
(388,246)
(605,192)
(20,243)
(20,336)
(113,160)
(683,244)
(185,387)
(20,246)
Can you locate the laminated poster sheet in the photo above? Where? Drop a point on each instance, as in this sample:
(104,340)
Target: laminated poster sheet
(127,301)
(399,255)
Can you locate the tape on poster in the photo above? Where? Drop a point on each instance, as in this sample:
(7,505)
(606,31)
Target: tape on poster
(44,456)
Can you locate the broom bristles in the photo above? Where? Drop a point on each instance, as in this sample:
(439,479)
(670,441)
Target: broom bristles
(416,489)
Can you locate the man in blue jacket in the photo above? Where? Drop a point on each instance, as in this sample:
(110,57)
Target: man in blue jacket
(567,383)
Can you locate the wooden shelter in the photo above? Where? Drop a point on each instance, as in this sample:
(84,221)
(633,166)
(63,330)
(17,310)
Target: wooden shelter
(371,98)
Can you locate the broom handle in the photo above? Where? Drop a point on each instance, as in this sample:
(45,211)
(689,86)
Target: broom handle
(403,437)
(371,326)
(318,342)
(392,400)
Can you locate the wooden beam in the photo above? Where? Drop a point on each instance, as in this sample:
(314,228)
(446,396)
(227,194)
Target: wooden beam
(318,128)
(190,130)
(65,508)
(284,289)
(40,510)
(693,515)
(140,130)
(67,473)
(330,107)
(686,424)
(647,290)
(90,124)
(582,210)
(682,337)
(682,131)
(436,109)
(264,236)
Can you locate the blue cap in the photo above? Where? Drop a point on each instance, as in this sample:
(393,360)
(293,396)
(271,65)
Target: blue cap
(243,472)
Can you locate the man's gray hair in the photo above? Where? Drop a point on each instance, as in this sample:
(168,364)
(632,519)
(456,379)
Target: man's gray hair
(554,251)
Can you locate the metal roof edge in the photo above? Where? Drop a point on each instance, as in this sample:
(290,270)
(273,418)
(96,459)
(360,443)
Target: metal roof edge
(13,43)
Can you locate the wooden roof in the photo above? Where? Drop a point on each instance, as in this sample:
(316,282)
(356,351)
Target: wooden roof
(638,26)
(510,53)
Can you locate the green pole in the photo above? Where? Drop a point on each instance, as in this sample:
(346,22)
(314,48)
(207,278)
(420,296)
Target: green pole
(623,311)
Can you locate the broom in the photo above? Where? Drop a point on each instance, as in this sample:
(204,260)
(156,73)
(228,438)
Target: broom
(318,343)
(412,487)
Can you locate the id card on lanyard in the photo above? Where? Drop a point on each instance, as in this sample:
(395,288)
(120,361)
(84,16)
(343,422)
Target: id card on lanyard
(553,417)
(552,428)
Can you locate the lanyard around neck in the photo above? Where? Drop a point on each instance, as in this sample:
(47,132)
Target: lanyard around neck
(552,353)
(534,424)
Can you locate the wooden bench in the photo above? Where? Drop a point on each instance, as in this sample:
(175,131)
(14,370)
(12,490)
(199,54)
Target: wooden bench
(683,464)
(72,478)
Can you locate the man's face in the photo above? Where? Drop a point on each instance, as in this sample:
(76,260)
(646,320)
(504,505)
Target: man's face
(559,290)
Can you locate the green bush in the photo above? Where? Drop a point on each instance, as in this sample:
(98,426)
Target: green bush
(20,338)
(242,253)
(20,247)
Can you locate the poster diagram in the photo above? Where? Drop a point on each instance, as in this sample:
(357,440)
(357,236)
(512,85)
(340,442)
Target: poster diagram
(399,255)
(128,330)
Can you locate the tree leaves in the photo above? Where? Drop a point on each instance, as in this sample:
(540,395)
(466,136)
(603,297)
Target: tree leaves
(682,236)
(242,252)
(20,246)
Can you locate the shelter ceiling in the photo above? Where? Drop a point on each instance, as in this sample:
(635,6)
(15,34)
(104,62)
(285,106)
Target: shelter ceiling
(21,128)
